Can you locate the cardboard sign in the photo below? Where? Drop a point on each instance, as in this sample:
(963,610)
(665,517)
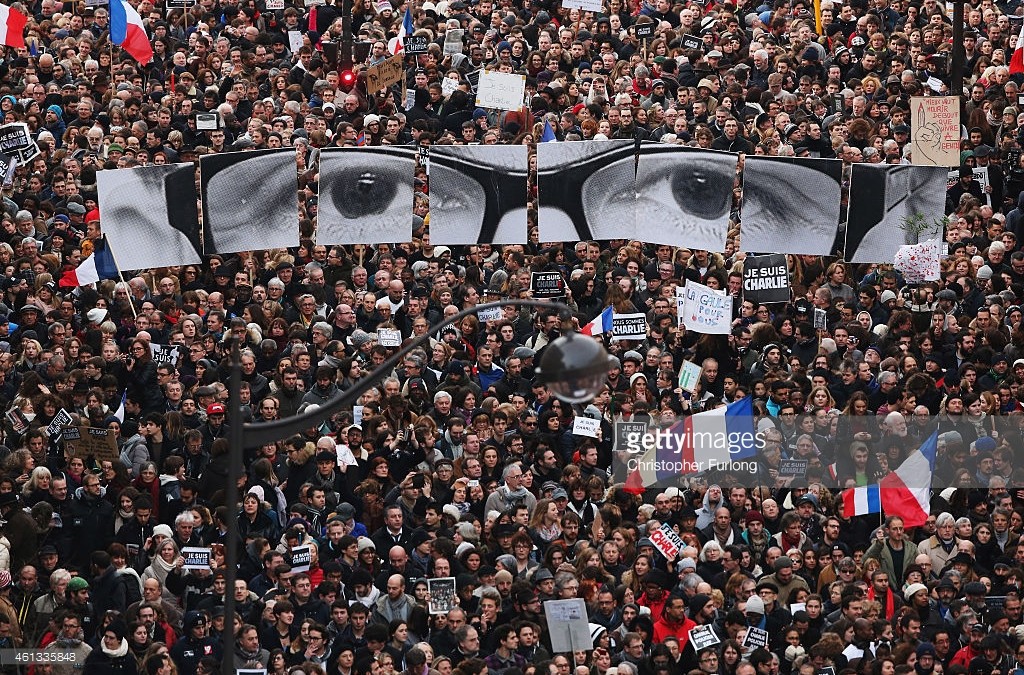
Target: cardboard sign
(491,314)
(766,278)
(85,441)
(629,326)
(442,595)
(60,420)
(667,542)
(981,177)
(568,625)
(626,432)
(547,285)
(389,337)
(165,354)
(196,558)
(585,5)
(703,637)
(294,41)
(707,310)
(790,468)
(693,42)
(689,376)
(645,31)
(384,74)
(301,558)
(935,130)
(453,41)
(755,637)
(585,426)
(416,44)
(680,306)
(503,91)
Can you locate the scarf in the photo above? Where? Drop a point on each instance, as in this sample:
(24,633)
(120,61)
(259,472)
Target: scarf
(510,496)
(121,650)
(889,602)
(947,546)
(65,642)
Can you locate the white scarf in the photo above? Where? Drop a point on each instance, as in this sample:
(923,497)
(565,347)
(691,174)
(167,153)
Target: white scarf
(121,650)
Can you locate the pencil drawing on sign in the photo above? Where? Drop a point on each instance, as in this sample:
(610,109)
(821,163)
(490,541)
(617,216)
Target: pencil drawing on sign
(790,205)
(365,195)
(250,200)
(586,190)
(150,215)
(684,196)
(478,194)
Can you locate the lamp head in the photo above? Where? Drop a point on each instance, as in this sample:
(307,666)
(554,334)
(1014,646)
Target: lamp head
(574,367)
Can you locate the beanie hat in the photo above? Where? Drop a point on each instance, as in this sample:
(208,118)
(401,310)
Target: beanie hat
(754,516)
(755,605)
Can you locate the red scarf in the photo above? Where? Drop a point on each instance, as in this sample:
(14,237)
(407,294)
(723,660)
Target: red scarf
(889,602)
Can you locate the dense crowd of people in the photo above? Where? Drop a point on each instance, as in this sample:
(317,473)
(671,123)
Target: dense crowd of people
(461,465)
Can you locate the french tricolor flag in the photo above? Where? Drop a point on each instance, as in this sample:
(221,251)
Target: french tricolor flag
(701,442)
(12,27)
(128,31)
(907,491)
(861,501)
(396,45)
(1017,58)
(99,265)
(602,324)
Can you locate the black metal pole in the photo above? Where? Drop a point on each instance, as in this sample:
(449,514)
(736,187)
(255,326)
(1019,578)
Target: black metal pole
(257,435)
(236,450)
(957,64)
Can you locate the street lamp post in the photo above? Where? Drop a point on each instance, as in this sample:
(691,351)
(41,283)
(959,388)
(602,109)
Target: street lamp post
(574,367)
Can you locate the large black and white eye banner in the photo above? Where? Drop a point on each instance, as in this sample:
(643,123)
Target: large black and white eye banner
(684,196)
(150,215)
(478,194)
(365,195)
(885,200)
(250,200)
(586,190)
(790,205)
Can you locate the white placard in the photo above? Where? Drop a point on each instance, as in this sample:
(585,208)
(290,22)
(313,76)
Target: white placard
(196,558)
(707,310)
(585,426)
(491,314)
(504,91)
(689,376)
(449,86)
(389,337)
(568,626)
(275,5)
(629,326)
(585,5)
(294,41)
(666,541)
(453,40)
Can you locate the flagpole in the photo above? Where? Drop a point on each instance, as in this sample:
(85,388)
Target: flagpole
(120,275)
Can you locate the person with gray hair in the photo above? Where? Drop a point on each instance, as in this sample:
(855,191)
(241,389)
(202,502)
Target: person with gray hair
(511,492)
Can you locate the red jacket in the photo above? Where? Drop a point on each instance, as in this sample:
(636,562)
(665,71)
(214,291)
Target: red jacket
(680,631)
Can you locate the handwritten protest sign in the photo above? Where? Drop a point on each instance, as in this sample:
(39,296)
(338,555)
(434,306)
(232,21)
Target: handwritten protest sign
(384,74)
(667,542)
(707,310)
(85,441)
(585,426)
(504,91)
(935,130)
